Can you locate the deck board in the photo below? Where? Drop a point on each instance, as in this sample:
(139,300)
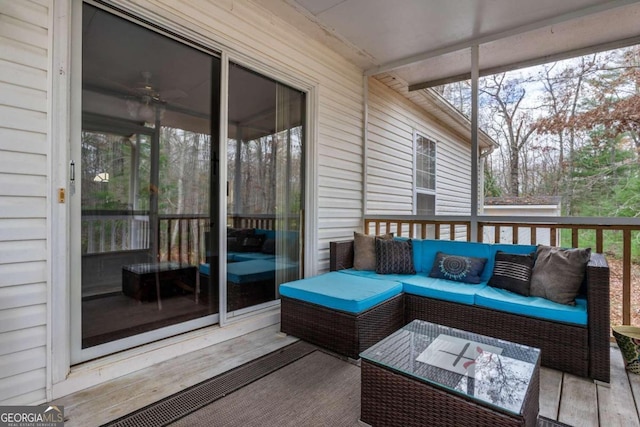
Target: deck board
(634,382)
(578,403)
(615,403)
(550,389)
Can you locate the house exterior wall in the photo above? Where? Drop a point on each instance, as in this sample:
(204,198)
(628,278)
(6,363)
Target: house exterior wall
(249,35)
(24,148)
(390,181)
(32,227)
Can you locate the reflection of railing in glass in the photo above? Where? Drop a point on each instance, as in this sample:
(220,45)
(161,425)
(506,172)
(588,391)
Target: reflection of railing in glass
(111,231)
(181,237)
(264,221)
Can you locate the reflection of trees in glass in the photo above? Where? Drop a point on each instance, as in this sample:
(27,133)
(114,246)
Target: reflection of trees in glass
(499,380)
(104,154)
(265,164)
(184,172)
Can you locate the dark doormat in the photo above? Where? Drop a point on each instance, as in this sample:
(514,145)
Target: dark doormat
(191,399)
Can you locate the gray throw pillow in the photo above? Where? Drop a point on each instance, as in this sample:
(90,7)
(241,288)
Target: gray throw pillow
(364,250)
(512,272)
(394,256)
(558,273)
(458,268)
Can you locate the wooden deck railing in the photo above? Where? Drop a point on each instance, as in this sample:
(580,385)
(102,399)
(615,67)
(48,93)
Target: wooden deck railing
(614,237)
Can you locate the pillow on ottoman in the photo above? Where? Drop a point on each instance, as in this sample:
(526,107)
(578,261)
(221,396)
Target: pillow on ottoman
(512,272)
(458,268)
(394,256)
(364,250)
(558,273)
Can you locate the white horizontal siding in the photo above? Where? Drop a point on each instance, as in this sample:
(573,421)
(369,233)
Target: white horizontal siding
(392,121)
(24,98)
(23,163)
(23,361)
(453,178)
(23,295)
(22,141)
(20,388)
(21,339)
(29,185)
(23,76)
(13,319)
(22,229)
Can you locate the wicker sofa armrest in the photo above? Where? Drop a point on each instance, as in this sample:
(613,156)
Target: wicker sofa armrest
(598,309)
(340,255)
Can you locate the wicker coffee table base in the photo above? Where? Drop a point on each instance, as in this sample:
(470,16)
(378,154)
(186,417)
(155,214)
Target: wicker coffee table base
(393,399)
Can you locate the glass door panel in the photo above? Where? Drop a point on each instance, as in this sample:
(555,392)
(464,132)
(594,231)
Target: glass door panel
(148,194)
(264,203)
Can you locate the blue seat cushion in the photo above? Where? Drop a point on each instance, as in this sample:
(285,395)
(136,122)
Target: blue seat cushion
(256,270)
(205,269)
(541,308)
(371,274)
(252,271)
(447,290)
(249,256)
(344,292)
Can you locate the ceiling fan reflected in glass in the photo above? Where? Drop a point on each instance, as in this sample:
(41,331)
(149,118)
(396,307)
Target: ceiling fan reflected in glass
(147,102)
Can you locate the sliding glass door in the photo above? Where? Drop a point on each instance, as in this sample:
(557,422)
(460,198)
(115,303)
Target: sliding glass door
(265,158)
(147,191)
(148,234)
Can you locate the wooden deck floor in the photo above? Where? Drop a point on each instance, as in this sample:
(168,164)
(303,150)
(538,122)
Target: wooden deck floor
(569,399)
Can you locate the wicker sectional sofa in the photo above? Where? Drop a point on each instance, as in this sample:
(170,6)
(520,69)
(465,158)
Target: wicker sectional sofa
(343,311)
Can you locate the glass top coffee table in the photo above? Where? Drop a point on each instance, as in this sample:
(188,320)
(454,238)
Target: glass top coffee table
(428,374)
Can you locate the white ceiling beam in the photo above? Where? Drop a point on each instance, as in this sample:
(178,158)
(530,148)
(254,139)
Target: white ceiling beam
(617,44)
(404,62)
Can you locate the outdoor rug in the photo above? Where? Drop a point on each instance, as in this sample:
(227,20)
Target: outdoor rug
(298,385)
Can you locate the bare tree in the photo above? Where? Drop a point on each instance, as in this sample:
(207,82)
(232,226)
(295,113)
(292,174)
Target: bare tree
(512,123)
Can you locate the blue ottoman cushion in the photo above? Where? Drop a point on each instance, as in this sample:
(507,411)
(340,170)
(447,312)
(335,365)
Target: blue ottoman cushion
(338,291)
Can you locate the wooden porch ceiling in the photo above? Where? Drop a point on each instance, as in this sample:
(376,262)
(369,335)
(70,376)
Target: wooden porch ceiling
(429,42)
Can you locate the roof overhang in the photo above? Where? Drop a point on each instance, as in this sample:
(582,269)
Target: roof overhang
(427,43)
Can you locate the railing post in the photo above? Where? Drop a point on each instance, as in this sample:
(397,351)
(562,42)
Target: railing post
(475,150)
(533,237)
(626,277)
(599,240)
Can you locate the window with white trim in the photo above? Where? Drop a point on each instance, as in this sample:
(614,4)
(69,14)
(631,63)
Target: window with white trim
(425,175)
